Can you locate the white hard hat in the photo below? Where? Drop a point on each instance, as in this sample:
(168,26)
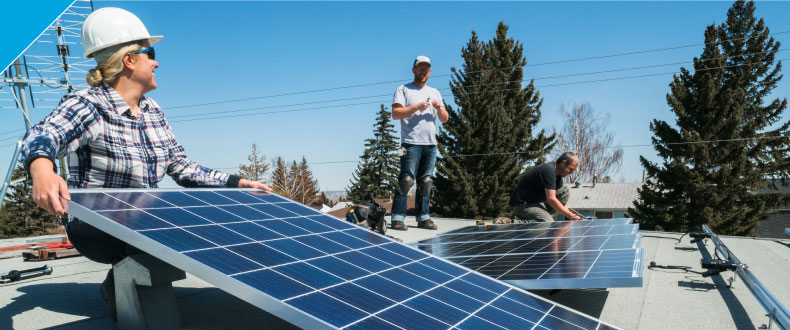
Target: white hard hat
(109,27)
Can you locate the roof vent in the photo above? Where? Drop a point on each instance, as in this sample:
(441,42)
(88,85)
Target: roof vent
(578,184)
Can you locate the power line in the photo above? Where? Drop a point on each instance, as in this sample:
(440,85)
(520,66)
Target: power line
(374,102)
(450,74)
(516,153)
(384,95)
(446,88)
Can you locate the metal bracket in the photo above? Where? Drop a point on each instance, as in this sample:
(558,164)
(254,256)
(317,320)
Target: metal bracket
(144,296)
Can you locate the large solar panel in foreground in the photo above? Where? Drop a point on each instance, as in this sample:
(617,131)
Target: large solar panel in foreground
(311,269)
(555,255)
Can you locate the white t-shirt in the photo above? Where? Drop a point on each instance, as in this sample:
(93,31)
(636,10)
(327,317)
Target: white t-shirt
(420,127)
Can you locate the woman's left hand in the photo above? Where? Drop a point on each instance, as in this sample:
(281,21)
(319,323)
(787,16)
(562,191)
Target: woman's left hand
(244,183)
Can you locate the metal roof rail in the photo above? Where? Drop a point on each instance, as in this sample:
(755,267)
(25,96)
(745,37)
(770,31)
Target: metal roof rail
(777,313)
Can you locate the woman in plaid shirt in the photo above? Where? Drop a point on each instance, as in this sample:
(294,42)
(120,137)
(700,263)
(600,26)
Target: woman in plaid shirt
(114,136)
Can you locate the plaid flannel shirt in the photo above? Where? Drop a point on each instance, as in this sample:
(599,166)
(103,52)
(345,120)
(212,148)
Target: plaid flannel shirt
(107,147)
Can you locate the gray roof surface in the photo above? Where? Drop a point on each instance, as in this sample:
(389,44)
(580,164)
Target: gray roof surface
(604,196)
(669,299)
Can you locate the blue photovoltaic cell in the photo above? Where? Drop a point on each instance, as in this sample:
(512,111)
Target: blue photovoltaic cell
(262,254)
(309,225)
(240,197)
(135,219)
(339,267)
(299,209)
(309,275)
(218,235)
(177,198)
(178,217)
(311,269)
(294,249)
(178,239)
(253,231)
(355,295)
(210,197)
(100,202)
(332,222)
(143,201)
(322,244)
(282,227)
(246,212)
(223,260)
(273,210)
(215,214)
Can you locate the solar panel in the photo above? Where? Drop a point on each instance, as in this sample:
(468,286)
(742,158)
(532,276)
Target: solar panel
(536,233)
(536,245)
(539,226)
(562,270)
(554,255)
(313,270)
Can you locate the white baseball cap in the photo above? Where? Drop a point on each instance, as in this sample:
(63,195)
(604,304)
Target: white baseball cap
(422,59)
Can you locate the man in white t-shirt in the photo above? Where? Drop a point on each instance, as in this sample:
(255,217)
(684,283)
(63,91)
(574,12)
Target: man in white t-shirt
(417,106)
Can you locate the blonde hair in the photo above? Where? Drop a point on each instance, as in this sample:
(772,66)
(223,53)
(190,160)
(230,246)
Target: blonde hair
(110,64)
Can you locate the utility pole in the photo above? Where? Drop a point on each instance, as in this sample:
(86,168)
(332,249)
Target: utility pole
(66,26)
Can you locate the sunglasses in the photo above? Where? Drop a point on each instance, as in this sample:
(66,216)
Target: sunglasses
(148,51)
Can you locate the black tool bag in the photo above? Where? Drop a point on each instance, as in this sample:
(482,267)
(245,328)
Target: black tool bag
(368,213)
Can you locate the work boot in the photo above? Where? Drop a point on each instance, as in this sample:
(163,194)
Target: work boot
(427,224)
(107,291)
(399,225)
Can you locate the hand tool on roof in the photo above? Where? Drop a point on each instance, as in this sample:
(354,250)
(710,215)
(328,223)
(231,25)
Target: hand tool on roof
(17,275)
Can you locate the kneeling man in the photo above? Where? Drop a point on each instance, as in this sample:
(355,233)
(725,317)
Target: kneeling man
(540,194)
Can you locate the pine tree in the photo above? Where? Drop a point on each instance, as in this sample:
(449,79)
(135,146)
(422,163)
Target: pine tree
(257,167)
(307,186)
(295,181)
(377,171)
(20,216)
(282,183)
(495,127)
(724,101)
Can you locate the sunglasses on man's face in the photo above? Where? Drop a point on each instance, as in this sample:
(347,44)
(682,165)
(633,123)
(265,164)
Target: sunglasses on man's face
(148,51)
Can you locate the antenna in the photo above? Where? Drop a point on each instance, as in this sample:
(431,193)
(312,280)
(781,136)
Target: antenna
(45,78)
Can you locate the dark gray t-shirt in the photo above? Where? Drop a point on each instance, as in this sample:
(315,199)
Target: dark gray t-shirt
(420,127)
(531,187)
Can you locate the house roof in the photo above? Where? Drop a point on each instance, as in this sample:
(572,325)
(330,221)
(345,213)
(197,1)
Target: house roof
(604,196)
(668,299)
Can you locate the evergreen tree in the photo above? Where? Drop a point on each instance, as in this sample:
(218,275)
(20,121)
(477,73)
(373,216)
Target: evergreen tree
(257,167)
(495,127)
(377,171)
(295,181)
(723,101)
(307,186)
(282,183)
(20,216)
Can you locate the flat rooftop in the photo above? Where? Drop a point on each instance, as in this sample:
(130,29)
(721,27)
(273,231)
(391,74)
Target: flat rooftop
(668,299)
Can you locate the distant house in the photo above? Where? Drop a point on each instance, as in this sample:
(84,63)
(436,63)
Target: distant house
(603,200)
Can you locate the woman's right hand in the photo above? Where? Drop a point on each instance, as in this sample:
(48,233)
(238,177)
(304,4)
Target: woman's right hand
(50,191)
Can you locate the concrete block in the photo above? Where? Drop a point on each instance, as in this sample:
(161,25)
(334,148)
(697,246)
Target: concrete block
(144,294)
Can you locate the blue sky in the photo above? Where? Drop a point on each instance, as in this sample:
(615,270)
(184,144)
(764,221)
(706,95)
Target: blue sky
(219,51)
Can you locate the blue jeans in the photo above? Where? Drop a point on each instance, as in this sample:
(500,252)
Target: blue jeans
(418,162)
